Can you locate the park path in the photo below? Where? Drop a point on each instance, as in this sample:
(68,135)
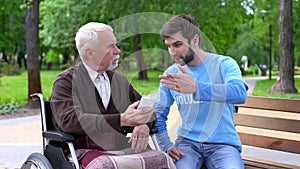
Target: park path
(251,81)
(19,137)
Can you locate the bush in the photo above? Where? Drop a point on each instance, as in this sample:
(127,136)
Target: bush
(52,57)
(12,108)
(68,64)
(256,70)
(249,72)
(297,70)
(9,69)
(252,71)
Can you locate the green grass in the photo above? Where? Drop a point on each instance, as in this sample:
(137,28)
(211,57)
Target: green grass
(262,88)
(14,89)
(145,87)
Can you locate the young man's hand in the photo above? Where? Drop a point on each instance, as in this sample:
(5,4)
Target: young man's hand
(175,153)
(183,83)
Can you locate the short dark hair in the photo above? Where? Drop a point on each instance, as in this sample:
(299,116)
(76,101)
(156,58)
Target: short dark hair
(185,24)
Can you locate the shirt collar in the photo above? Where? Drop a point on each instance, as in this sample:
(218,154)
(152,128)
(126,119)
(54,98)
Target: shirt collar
(92,73)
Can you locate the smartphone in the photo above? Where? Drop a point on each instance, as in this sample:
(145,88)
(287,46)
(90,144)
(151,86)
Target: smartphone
(146,102)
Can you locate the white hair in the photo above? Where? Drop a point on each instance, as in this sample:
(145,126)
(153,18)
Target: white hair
(87,37)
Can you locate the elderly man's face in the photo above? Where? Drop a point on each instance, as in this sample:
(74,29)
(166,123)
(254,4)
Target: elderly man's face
(105,51)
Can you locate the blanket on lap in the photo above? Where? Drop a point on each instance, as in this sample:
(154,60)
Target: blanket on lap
(125,159)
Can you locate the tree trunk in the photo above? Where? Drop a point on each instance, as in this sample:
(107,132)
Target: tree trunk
(140,58)
(138,51)
(4,56)
(32,46)
(286,81)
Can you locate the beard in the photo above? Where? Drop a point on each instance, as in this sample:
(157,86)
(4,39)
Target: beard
(114,63)
(187,59)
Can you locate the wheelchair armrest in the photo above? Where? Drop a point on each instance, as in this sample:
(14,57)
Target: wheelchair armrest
(153,130)
(58,136)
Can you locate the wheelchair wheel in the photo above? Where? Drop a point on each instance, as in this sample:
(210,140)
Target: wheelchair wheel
(36,161)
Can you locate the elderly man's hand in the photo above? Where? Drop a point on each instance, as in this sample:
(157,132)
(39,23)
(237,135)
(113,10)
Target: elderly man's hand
(139,138)
(136,117)
(183,83)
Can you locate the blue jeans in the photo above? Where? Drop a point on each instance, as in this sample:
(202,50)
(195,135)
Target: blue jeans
(210,154)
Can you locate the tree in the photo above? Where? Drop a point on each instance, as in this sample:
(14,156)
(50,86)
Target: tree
(296,22)
(221,28)
(32,46)
(140,58)
(248,44)
(285,84)
(12,30)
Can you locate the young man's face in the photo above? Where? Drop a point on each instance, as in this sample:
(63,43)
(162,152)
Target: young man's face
(179,48)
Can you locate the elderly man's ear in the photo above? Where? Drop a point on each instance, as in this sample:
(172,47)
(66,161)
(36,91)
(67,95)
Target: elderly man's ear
(89,53)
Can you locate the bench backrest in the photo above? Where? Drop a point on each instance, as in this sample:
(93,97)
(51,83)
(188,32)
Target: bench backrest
(249,118)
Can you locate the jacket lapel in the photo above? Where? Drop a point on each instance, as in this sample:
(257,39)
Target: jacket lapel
(89,90)
(99,102)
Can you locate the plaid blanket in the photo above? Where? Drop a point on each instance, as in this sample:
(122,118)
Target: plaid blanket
(125,159)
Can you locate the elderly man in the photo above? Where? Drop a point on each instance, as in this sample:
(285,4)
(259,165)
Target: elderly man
(99,106)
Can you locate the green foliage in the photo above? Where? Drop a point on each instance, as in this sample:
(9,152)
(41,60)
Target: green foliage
(12,108)
(254,37)
(52,57)
(297,69)
(262,89)
(9,69)
(248,44)
(252,71)
(236,29)
(12,29)
(56,24)
(261,26)
(296,21)
(220,27)
(223,22)
(68,64)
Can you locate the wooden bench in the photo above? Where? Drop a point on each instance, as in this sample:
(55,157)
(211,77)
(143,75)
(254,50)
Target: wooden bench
(269,123)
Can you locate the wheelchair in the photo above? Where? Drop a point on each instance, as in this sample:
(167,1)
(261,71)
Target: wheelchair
(54,142)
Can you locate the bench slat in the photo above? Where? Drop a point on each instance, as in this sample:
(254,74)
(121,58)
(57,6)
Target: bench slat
(270,142)
(255,163)
(254,103)
(277,104)
(279,124)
